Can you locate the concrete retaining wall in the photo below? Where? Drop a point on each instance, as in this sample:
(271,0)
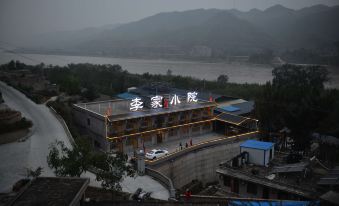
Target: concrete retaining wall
(201,163)
(64,125)
(162,179)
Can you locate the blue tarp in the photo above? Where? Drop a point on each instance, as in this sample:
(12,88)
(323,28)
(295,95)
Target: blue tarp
(273,203)
(127,95)
(257,144)
(230,108)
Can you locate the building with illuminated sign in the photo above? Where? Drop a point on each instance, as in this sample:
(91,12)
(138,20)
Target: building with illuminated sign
(125,125)
(145,117)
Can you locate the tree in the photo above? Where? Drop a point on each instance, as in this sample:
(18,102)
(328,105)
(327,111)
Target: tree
(71,85)
(69,162)
(222,79)
(112,170)
(309,77)
(109,169)
(90,93)
(292,100)
(30,173)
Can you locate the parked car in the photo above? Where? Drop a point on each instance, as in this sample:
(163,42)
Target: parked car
(156,153)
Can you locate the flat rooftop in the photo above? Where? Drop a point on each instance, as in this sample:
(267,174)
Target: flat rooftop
(51,191)
(279,175)
(255,144)
(120,109)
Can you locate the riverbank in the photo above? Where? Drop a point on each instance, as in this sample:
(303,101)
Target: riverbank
(237,73)
(182,59)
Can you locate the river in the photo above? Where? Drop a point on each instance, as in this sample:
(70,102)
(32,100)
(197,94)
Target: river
(238,73)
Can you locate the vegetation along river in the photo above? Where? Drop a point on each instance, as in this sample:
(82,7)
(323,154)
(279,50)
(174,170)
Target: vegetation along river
(238,73)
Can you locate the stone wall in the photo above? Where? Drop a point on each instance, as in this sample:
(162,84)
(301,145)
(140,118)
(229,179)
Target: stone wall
(200,163)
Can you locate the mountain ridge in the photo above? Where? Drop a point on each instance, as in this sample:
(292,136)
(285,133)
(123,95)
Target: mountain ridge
(217,33)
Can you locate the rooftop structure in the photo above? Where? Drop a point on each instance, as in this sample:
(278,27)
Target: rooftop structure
(331,179)
(52,191)
(120,109)
(233,119)
(235,107)
(255,144)
(157,88)
(259,152)
(127,95)
(276,180)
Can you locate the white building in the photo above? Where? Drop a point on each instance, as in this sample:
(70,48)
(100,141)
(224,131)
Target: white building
(260,153)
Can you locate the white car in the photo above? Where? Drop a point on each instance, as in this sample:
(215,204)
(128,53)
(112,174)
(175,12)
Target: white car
(156,153)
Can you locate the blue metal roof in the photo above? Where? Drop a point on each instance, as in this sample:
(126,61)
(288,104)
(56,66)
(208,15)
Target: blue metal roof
(257,144)
(127,95)
(273,203)
(242,108)
(230,108)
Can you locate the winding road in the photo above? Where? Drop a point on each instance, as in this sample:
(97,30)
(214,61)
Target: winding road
(17,156)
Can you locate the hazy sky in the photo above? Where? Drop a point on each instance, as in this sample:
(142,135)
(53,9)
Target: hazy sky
(22,18)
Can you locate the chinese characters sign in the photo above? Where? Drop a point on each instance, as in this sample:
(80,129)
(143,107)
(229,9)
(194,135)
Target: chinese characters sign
(157,101)
(136,104)
(192,97)
(175,100)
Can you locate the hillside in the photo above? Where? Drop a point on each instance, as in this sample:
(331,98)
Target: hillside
(210,33)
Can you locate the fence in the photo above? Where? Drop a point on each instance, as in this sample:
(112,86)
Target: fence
(164,180)
(64,125)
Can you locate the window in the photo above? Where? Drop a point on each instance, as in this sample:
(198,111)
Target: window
(251,188)
(227,181)
(88,122)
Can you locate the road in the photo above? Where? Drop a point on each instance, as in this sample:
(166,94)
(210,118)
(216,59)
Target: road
(17,156)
